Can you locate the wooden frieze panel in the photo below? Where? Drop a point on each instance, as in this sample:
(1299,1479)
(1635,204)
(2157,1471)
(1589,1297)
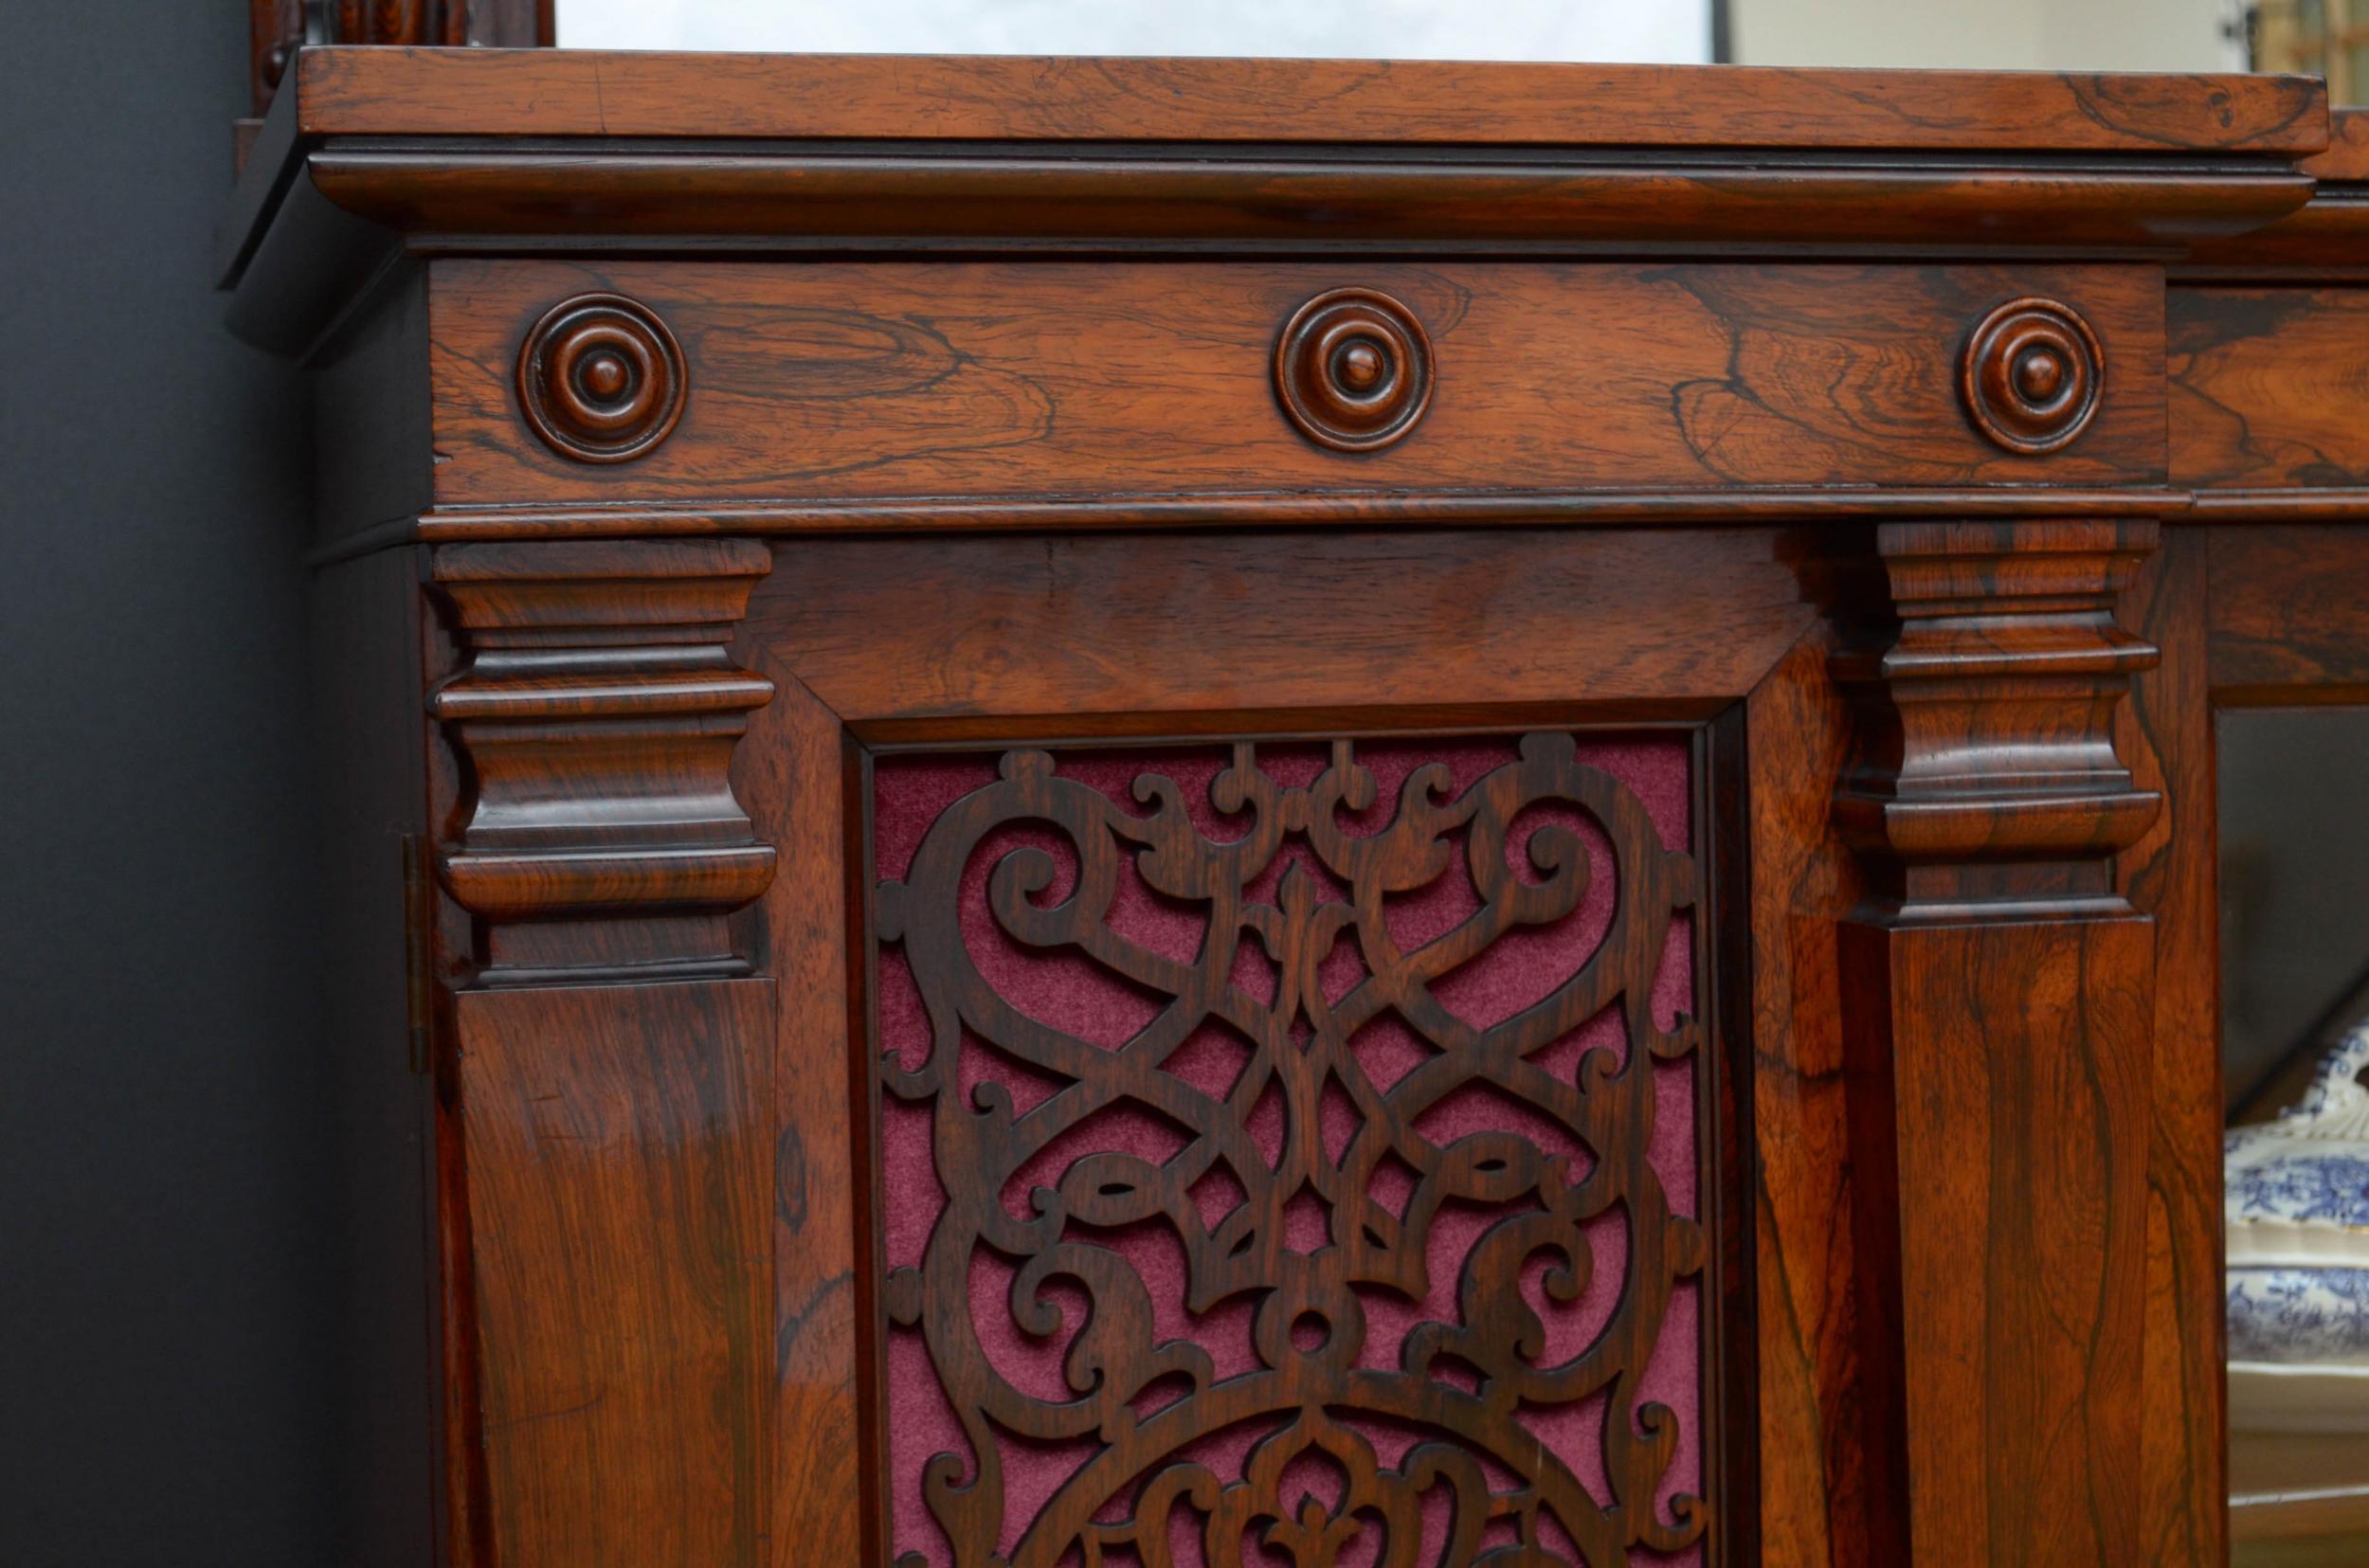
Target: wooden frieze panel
(824,380)
(2268,386)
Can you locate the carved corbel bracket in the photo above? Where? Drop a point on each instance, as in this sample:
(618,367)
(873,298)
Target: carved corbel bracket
(595,717)
(1985,776)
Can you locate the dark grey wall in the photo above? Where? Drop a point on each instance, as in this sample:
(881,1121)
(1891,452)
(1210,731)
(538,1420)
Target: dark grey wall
(165,1292)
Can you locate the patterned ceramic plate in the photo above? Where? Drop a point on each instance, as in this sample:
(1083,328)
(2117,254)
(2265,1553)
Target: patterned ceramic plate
(2297,1206)
(2299,1315)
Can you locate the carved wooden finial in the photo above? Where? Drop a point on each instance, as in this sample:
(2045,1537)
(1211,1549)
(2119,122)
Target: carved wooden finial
(597,715)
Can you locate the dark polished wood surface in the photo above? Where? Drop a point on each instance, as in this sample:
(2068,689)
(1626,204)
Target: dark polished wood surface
(278,31)
(608,92)
(615,1156)
(2169,874)
(1059,378)
(503,151)
(1936,451)
(1997,1020)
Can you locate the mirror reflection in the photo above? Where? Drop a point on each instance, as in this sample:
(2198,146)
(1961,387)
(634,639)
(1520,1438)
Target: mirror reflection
(1666,32)
(2295,1042)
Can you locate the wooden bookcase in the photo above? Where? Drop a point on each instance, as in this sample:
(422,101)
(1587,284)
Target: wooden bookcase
(780,518)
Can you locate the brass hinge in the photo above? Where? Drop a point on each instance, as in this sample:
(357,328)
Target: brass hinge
(419,907)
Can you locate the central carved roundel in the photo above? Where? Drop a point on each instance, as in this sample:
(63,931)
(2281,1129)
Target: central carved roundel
(2032,375)
(600,379)
(1352,370)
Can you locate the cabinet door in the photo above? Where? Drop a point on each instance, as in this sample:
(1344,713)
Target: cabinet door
(1242,1056)
(1272,1042)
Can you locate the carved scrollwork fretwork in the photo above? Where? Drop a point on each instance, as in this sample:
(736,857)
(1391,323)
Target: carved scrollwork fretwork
(1311,1244)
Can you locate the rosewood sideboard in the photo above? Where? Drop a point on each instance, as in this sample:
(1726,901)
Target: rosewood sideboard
(1161,812)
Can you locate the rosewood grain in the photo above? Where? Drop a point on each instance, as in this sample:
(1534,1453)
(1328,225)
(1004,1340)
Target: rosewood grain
(2327,239)
(2345,159)
(890,380)
(277,29)
(1352,370)
(1547,163)
(797,775)
(1997,1072)
(1016,638)
(2168,873)
(599,93)
(1824,1482)
(2289,617)
(2266,386)
(1712,436)
(1163,200)
(1986,770)
(1331,511)
(600,379)
(616,1181)
(2032,375)
(810,632)
(274,33)
(1998,1025)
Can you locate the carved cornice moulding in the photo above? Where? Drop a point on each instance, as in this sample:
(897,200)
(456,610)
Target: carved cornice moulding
(494,151)
(2328,239)
(491,197)
(1344,508)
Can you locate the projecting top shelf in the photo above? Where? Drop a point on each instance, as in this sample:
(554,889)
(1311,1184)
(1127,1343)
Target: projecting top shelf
(415,92)
(479,151)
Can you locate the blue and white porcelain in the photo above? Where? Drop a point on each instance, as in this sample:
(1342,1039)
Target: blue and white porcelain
(2299,1315)
(2297,1196)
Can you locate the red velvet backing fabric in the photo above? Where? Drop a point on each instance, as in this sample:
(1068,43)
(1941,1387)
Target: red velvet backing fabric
(1074,995)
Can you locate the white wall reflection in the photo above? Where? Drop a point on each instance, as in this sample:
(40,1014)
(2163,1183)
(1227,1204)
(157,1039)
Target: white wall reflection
(1670,30)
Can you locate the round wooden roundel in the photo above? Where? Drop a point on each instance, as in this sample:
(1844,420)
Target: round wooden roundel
(1352,370)
(2032,375)
(600,379)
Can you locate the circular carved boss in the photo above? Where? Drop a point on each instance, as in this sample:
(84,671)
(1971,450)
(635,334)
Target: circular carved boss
(1352,370)
(2032,375)
(600,379)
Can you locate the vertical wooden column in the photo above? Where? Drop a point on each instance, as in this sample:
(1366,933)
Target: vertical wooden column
(2170,874)
(607,1189)
(1998,1035)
